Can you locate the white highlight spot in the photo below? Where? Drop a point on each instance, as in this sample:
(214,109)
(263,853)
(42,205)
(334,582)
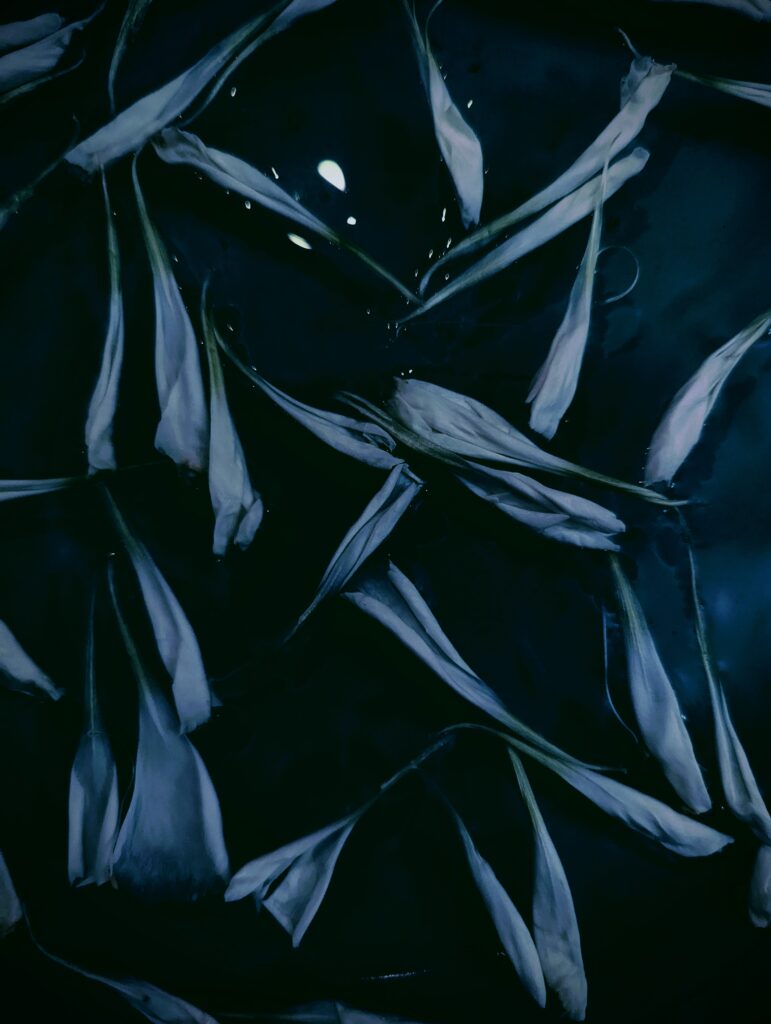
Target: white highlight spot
(469,104)
(351,221)
(444,214)
(299,241)
(275,173)
(233,91)
(333,173)
(248,204)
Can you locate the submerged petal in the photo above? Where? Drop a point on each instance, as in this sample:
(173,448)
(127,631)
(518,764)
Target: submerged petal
(177,643)
(374,525)
(760,888)
(12,489)
(512,930)
(556,514)
(555,926)
(10,906)
(170,845)
(237,506)
(93,800)
(22,33)
(457,142)
(128,132)
(683,422)
(101,410)
(19,671)
(655,704)
(183,430)
(20,68)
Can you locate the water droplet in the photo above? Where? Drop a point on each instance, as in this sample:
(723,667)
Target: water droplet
(416,273)
(469,104)
(247,204)
(175,258)
(298,240)
(444,214)
(368,312)
(409,371)
(333,173)
(233,92)
(447,277)
(430,253)
(230,328)
(351,221)
(448,244)
(274,172)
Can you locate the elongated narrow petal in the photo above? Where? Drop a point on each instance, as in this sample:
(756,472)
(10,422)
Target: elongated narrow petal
(555,926)
(10,906)
(177,147)
(132,20)
(19,671)
(152,1002)
(646,84)
(645,814)
(362,441)
(759,10)
(22,33)
(183,430)
(38,59)
(683,422)
(556,514)
(170,845)
(760,888)
(555,383)
(93,803)
(457,142)
(237,506)
(396,603)
(655,704)
(128,132)
(559,218)
(454,424)
(512,930)
(306,864)
(104,401)
(373,526)
(739,784)
(12,489)
(177,643)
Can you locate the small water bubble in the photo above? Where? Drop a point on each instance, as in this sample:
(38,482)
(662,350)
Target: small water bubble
(233,92)
(299,241)
(409,371)
(447,277)
(444,214)
(175,258)
(247,204)
(430,253)
(332,172)
(274,172)
(469,104)
(231,328)
(448,243)
(350,220)
(368,312)
(416,273)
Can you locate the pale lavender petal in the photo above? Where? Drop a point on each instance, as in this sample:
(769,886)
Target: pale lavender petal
(18,671)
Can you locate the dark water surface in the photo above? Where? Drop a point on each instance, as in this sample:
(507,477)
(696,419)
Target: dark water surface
(309,729)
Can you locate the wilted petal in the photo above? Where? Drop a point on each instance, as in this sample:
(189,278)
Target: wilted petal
(655,704)
(555,383)
(395,602)
(170,844)
(128,132)
(177,643)
(12,489)
(374,525)
(132,19)
(10,907)
(654,819)
(555,926)
(22,33)
(760,888)
(22,67)
(19,671)
(645,85)
(178,147)
(93,802)
(183,429)
(101,410)
(306,864)
(458,144)
(684,420)
(444,422)
(364,442)
(512,930)
(237,506)
(555,514)
(559,218)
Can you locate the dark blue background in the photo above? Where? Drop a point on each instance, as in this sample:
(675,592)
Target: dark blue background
(309,730)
